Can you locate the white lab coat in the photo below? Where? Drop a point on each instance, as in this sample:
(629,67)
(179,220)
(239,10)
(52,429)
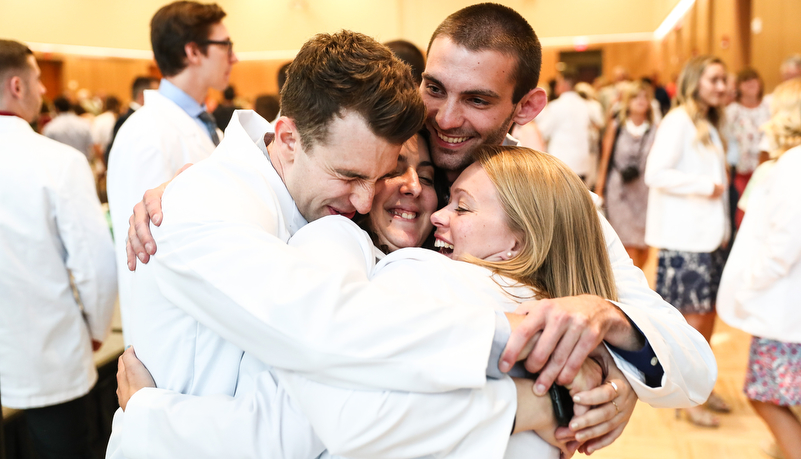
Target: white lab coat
(681,174)
(51,227)
(761,284)
(150,147)
(240,303)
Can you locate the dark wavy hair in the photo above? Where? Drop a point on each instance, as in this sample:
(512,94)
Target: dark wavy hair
(350,72)
(175,25)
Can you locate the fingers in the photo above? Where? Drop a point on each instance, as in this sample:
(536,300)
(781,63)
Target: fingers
(135,224)
(121,382)
(603,441)
(596,422)
(129,253)
(152,202)
(604,393)
(523,332)
(587,341)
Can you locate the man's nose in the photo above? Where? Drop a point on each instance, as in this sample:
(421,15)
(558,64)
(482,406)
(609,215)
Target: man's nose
(449,115)
(362,198)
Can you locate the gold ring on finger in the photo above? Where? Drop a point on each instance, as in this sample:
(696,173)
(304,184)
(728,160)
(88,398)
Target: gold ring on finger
(617,410)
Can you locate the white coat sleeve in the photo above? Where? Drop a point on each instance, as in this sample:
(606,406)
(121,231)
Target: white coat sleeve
(161,424)
(466,423)
(302,312)
(666,152)
(87,241)
(689,365)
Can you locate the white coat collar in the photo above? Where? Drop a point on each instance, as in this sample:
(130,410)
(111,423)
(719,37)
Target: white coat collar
(14,124)
(176,116)
(245,134)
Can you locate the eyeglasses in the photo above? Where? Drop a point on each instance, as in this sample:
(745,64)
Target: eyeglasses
(227,43)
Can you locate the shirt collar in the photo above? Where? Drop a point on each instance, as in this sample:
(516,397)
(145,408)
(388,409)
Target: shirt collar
(180,98)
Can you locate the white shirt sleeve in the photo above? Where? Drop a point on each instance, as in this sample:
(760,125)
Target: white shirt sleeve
(689,365)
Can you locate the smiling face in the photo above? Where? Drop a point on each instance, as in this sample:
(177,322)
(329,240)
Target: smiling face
(474,222)
(338,176)
(468,97)
(712,85)
(405,199)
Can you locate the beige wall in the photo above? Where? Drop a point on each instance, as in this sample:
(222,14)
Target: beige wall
(285,27)
(263,25)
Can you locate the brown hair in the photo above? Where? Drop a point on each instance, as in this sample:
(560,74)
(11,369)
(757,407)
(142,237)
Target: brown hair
(349,71)
(13,56)
(748,74)
(687,98)
(175,25)
(563,250)
(489,26)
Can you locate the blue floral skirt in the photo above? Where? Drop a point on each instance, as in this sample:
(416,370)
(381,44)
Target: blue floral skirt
(689,280)
(774,372)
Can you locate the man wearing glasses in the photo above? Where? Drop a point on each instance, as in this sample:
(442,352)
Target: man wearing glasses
(194,53)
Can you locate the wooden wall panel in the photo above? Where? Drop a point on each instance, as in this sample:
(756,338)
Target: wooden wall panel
(779,38)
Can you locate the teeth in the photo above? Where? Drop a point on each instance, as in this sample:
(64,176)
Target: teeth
(441,243)
(405,215)
(452,139)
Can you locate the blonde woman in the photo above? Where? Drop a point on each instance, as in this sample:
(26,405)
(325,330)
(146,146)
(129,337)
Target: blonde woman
(620,176)
(762,281)
(687,206)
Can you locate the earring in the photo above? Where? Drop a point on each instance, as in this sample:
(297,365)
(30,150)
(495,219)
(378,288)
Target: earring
(509,254)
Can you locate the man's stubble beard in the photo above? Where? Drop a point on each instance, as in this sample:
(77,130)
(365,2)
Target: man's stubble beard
(454,163)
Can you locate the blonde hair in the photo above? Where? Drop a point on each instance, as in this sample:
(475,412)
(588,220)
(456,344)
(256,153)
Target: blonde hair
(563,250)
(784,126)
(630,91)
(688,99)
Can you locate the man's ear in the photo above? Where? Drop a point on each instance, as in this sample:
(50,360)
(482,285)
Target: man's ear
(286,139)
(192,52)
(15,87)
(530,106)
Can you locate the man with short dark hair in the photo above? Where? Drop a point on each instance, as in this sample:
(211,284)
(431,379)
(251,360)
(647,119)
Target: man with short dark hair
(51,229)
(194,52)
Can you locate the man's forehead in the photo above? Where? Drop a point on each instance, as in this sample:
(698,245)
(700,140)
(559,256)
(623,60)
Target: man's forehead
(479,70)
